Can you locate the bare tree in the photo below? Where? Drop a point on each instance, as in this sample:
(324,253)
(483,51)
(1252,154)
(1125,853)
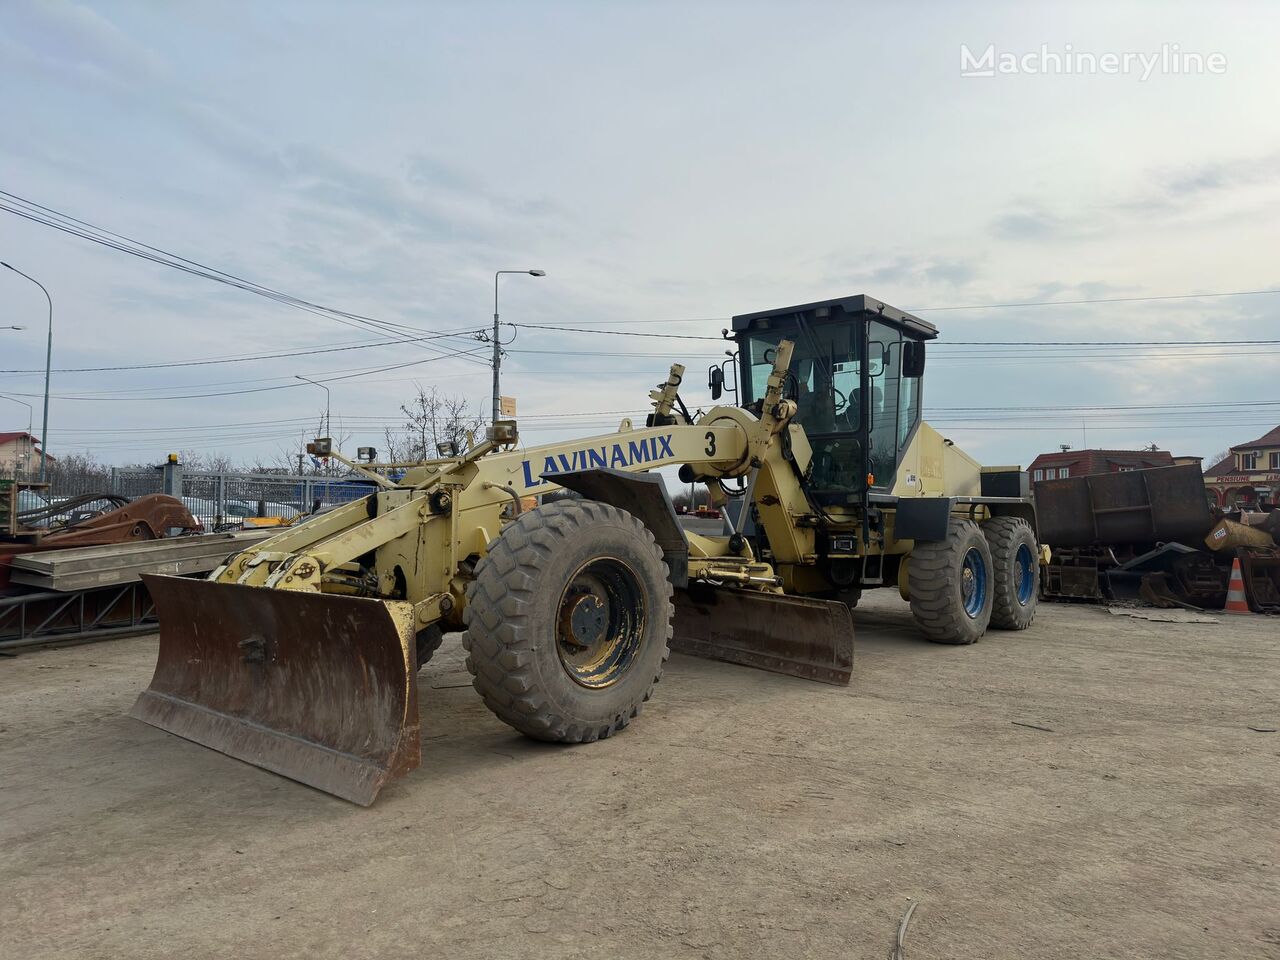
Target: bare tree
(76,473)
(211,462)
(432,418)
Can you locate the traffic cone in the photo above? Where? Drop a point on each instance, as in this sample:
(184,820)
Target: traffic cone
(1236,602)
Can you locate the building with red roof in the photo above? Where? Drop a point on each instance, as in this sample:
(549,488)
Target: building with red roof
(1249,475)
(1082,463)
(19,452)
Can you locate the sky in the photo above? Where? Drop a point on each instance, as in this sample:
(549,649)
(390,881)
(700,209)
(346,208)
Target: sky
(668,165)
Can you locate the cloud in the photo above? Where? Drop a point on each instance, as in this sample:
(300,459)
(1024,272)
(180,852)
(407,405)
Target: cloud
(1161,193)
(1033,222)
(902,272)
(367,162)
(1222,175)
(75,37)
(432,172)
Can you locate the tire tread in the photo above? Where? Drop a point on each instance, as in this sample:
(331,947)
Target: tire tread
(500,632)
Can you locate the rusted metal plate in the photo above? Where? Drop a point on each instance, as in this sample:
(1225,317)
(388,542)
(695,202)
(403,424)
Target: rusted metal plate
(1227,535)
(318,688)
(797,636)
(147,518)
(1137,506)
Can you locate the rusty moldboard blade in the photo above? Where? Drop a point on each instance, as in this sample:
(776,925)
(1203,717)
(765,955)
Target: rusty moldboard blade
(798,636)
(318,688)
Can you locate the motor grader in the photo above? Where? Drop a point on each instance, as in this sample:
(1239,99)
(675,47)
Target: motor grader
(300,653)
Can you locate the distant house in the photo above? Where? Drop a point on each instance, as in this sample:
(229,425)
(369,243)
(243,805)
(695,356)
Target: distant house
(19,452)
(1082,463)
(1249,475)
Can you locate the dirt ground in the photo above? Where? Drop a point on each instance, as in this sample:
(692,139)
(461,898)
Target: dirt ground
(743,815)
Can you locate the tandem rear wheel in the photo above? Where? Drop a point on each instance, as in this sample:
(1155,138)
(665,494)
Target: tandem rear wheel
(981,575)
(951,585)
(1015,567)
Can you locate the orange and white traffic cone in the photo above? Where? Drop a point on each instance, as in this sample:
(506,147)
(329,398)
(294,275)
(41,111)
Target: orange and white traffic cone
(1236,602)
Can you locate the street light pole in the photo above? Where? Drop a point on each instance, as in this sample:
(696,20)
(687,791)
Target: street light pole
(48,367)
(30,414)
(497,346)
(298,376)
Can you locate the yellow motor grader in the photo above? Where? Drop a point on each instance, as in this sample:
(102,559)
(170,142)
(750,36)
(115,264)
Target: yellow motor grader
(300,653)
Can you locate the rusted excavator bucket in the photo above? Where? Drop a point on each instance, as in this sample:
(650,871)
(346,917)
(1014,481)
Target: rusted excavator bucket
(318,688)
(799,636)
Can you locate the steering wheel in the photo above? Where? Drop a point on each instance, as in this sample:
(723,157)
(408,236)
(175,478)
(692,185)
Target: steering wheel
(841,400)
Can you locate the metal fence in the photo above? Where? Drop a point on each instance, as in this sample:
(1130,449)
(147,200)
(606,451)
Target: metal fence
(215,499)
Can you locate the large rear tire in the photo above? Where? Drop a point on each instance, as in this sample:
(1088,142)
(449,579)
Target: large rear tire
(568,621)
(1015,568)
(951,585)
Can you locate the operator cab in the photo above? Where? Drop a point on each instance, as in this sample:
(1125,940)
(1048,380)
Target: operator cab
(855,375)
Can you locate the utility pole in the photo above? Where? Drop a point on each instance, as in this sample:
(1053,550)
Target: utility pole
(48,367)
(497,343)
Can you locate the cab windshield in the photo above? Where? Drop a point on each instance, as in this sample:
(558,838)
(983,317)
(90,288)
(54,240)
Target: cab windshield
(825,381)
(825,371)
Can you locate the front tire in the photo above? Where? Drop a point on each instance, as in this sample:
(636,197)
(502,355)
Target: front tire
(1016,568)
(951,585)
(568,621)
(428,642)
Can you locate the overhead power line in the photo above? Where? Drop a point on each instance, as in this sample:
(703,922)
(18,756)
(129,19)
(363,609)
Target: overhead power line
(942,343)
(1220,342)
(1094,300)
(991,306)
(246,358)
(1212,404)
(47,216)
(933,414)
(232,393)
(615,333)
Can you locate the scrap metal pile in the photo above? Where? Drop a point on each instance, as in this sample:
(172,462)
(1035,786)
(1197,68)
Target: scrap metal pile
(1149,535)
(70,570)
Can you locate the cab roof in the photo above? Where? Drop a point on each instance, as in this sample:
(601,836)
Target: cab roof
(860,308)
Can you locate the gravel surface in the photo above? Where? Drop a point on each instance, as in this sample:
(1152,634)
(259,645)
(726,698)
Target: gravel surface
(1089,788)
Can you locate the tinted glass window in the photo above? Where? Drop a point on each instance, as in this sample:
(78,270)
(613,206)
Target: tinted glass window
(825,371)
(885,355)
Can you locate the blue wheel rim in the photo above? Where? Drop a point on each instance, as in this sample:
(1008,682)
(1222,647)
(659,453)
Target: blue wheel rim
(973,582)
(1024,574)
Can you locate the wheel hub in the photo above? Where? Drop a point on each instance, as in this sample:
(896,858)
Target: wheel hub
(973,583)
(600,622)
(1024,575)
(583,620)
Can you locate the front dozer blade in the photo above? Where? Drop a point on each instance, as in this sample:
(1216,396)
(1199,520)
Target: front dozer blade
(799,636)
(318,688)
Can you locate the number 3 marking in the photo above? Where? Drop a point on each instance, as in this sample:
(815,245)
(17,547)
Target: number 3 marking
(711,444)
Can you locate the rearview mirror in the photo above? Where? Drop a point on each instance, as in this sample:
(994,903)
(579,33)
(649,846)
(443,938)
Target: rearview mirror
(716,382)
(913,358)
